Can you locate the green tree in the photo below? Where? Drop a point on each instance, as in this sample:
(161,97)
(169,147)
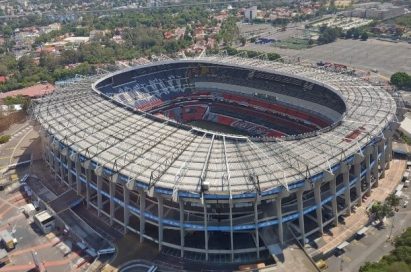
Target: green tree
(399,260)
(349,33)
(401,79)
(380,210)
(393,200)
(328,35)
(273,56)
(4,139)
(364,36)
(243,41)
(26,62)
(356,33)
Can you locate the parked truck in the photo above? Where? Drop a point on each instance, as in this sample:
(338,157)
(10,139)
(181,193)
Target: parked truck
(7,240)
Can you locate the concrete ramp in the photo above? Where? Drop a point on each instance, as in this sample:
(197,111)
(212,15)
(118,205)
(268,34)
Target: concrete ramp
(289,255)
(272,243)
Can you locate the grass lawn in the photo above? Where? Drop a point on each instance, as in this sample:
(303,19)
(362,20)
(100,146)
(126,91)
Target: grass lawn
(293,43)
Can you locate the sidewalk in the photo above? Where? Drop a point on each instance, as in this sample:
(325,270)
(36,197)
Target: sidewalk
(358,219)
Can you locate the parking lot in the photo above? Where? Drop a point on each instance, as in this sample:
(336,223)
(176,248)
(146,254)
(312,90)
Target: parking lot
(50,251)
(386,57)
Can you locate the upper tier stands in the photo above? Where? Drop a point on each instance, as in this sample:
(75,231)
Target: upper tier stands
(173,76)
(158,89)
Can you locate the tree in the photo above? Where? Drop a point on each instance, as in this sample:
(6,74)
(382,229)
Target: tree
(48,61)
(4,139)
(348,34)
(398,260)
(25,63)
(273,56)
(328,35)
(3,70)
(243,41)
(171,46)
(393,200)
(380,210)
(356,33)
(401,79)
(364,36)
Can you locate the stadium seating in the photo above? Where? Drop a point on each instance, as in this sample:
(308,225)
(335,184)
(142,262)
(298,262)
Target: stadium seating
(170,91)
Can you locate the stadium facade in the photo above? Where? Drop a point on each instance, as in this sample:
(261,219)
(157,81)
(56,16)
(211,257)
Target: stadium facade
(310,144)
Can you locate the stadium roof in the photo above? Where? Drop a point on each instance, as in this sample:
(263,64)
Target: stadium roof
(153,153)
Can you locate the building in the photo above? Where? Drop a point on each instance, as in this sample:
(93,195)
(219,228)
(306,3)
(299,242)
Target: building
(45,221)
(34,91)
(77,40)
(250,13)
(375,10)
(214,196)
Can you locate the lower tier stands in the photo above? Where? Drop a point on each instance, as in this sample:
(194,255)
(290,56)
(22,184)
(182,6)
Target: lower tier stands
(250,114)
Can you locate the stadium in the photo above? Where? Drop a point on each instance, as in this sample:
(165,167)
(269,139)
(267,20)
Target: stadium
(219,158)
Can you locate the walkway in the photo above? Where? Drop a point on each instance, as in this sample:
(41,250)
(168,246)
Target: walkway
(359,218)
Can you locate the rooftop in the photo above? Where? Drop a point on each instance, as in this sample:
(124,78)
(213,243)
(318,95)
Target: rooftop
(43,215)
(33,91)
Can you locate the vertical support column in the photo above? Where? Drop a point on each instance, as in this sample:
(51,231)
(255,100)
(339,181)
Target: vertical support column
(88,180)
(205,230)
(43,145)
(182,227)
(368,170)
(357,175)
(61,166)
(375,167)
(69,166)
(53,159)
(390,148)
(257,235)
(160,222)
(334,207)
(388,153)
(278,204)
(78,174)
(112,188)
(99,196)
(300,206)
(142,216)
(382,158)
(126,210)
(56,167)
(346,181)
(231,229)
(319,213)
(50,152)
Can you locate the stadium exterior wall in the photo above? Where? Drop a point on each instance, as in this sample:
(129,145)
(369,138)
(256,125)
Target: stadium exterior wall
(156,216)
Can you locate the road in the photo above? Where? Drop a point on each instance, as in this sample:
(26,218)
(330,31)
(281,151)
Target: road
(375,244)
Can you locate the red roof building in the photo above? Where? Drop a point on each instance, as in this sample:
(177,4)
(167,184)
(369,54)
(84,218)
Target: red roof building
(33,91)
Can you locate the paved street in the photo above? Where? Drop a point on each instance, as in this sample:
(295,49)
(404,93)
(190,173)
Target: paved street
(359,218)
(375,244)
